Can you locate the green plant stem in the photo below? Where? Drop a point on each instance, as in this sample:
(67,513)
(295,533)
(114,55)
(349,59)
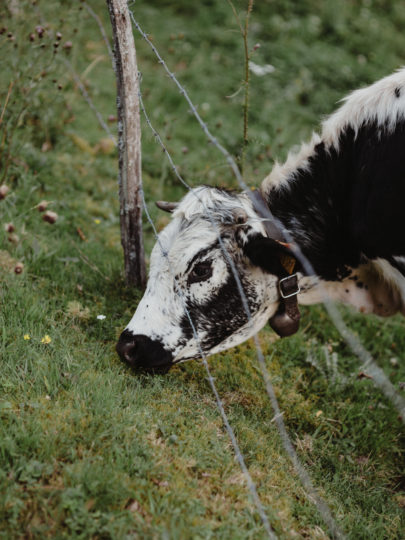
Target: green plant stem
(244,30)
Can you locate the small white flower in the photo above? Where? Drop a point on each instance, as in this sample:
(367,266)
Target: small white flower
(261,70)
(101,317)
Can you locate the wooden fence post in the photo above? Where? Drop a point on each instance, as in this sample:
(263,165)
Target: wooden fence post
(129,143)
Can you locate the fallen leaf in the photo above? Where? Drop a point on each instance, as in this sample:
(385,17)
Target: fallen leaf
(76,310)
(363,375)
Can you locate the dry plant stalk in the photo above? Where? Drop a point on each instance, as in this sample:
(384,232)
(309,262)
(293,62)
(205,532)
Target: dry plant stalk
(129,143)
(244,30)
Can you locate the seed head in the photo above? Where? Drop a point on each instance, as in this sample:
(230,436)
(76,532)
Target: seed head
(50,217)
(42,206)
(3,191)
(40,30)
(18,268)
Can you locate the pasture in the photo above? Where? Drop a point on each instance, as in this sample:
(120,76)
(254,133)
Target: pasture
(88,449)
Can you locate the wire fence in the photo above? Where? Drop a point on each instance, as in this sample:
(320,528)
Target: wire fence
(364,356)
(278,415)
(379,377)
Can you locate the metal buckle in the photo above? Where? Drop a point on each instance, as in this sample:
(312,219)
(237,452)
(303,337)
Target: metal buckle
(291,294)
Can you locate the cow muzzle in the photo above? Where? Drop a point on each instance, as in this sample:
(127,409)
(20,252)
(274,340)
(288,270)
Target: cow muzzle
(142,353)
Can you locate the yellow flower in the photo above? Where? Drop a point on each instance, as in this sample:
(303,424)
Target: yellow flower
(46,339)
(97,221)
(27,337)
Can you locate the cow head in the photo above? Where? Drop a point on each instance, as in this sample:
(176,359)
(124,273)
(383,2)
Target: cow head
(192,287)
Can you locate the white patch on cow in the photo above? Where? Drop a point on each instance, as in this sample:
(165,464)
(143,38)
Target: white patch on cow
(281,174)
(376,287)
(346,292)
(393,282)
(382,102)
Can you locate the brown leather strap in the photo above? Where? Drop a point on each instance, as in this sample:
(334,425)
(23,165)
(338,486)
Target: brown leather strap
(285,322)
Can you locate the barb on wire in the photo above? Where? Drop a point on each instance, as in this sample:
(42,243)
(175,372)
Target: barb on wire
(379,377)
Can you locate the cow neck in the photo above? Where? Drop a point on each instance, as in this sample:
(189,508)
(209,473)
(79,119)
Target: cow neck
(315,204)
(285,322)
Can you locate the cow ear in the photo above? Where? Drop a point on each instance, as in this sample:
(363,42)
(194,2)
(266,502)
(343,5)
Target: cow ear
(267,253)
(167,206)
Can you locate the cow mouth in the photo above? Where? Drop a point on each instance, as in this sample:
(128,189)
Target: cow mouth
(144,354)
(156,370)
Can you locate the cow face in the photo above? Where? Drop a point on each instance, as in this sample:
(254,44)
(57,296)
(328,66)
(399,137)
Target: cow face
(192,289)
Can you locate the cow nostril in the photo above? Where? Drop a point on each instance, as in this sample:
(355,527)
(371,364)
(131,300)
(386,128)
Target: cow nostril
(141,352)
(128,351)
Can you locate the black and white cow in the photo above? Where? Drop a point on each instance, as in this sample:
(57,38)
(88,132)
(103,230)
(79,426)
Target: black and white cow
(342,200)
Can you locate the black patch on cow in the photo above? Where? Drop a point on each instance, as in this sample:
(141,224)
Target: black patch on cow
(397,92)
(201,254)
(221,316)
(348,206)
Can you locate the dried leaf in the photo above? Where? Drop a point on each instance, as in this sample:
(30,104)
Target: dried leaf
(76,310)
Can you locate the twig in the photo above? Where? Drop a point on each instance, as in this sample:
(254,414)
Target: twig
(89,263)
(102,30)
(6,101)
(87,97)
(244,30)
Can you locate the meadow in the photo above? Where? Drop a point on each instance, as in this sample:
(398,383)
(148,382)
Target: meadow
(90,449)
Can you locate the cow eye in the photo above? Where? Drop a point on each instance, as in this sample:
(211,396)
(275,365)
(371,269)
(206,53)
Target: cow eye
(200,272)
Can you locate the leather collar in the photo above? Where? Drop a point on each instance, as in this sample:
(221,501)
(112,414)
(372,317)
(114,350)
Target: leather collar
(285,322)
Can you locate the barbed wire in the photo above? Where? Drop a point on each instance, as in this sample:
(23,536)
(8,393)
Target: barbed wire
(238,454)
(379,378)
(278,415)
(336,317)
(312,493)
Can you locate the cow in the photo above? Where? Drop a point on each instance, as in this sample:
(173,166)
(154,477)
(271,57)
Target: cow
(330,220)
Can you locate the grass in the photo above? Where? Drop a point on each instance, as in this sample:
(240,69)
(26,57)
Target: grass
(87,448)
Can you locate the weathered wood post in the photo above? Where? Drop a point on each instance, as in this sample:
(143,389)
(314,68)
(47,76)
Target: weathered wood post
(129,143)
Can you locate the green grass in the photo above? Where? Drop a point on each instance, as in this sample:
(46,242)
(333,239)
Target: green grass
(87,448)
